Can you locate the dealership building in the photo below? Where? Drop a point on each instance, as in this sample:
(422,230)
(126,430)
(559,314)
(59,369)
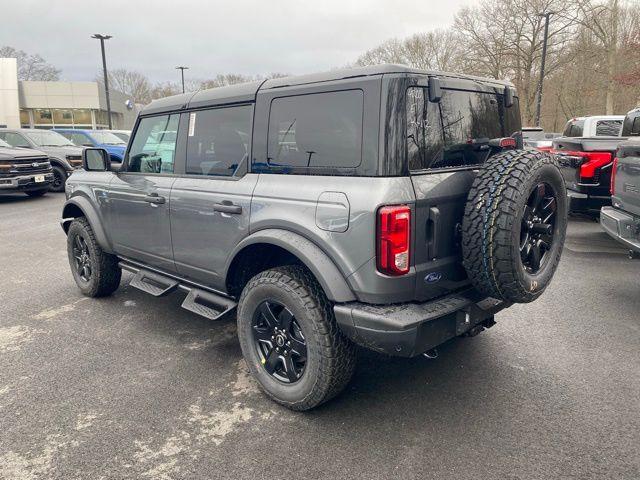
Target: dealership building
(31,104)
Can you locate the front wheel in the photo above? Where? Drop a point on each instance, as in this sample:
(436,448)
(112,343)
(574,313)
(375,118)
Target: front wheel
(290,340)
(59,179)
(96,273)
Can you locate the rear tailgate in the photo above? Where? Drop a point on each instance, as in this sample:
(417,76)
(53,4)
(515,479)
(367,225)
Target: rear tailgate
(627,178)
(572,155)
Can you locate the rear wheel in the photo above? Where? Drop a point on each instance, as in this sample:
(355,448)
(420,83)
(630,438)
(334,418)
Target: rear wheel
(514,225)
(290,340)
(96,273)
(59,179)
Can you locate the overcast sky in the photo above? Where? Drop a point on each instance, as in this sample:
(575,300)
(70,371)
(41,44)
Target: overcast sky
(235,36)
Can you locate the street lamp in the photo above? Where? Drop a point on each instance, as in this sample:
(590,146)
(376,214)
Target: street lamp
(102,38)
(182,69)
(544,58)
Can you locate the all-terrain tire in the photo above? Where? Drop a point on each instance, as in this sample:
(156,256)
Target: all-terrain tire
(493,222)
(60,177)
(105,272)
(330,355)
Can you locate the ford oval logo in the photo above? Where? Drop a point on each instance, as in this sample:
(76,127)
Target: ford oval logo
(433,277)
(35,164)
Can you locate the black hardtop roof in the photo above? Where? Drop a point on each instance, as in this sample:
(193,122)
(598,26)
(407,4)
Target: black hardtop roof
(246,92)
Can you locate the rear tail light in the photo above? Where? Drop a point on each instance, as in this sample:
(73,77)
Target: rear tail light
(393,239)
(508,142)
(589,161)
(613,176)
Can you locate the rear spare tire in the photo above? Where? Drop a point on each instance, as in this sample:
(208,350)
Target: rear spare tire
(514,225)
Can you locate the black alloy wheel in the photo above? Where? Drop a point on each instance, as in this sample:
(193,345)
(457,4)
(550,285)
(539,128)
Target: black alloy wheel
(538,227)
(59,179)
(82,258)
(279,341)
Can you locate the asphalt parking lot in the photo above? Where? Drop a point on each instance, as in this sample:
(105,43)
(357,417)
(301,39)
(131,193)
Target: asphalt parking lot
(135,387)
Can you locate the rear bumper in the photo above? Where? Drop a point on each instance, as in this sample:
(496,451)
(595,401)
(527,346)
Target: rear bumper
(23,183)
(585,203)
(622,226)
(409,329)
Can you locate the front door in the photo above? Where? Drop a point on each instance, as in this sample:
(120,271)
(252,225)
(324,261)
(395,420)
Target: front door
(139,196)
(210,205)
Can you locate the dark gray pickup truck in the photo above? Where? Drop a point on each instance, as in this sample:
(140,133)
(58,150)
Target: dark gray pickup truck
(622,219)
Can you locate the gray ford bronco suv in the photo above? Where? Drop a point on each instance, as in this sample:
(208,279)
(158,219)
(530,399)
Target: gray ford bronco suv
(383,206)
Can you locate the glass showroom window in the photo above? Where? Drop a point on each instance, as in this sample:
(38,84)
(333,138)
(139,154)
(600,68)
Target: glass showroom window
(25,118)
(42,117)
(82,117)
(62,117)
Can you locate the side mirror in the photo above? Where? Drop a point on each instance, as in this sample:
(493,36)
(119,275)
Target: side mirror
(508,97)
(435,90)
(96,160)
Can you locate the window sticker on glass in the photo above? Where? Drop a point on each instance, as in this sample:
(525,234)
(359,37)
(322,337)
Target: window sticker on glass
(192,123)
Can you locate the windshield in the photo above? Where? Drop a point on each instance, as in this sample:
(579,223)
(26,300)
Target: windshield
(45,138)
(4,144)
(106,138)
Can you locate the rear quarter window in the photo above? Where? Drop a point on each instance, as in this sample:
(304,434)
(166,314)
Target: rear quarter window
(316,133)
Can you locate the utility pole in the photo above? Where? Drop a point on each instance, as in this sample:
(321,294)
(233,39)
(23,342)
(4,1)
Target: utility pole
(542,64)
(182,69)
(102,38)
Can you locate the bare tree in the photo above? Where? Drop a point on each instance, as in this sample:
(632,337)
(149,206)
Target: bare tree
(133,84)
(31,67)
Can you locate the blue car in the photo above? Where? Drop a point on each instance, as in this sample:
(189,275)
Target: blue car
(96,138)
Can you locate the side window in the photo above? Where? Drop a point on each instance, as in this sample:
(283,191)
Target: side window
(609,128)
(218,140)
(15,139)
(154,145)
(321,131)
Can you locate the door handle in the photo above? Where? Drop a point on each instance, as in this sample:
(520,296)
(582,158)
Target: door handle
(227,207)
(434,219)
(155,199)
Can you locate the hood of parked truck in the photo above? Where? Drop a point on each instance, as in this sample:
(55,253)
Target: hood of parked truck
(62,152)
(11,153)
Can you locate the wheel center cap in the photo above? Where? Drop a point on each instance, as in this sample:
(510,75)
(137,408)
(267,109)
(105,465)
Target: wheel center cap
(280,340)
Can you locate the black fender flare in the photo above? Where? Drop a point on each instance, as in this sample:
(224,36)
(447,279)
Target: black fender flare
(317,261)
(88,210)
(55,161)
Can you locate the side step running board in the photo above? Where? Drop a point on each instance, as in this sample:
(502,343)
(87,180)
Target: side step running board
(152,283)
(209,305)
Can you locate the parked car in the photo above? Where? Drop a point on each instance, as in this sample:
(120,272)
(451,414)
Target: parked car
(594,126)
(622,219)
(115,146)
(375,206)
(24,171)
(123,135)
(586,166)
(63,155)
(536,137)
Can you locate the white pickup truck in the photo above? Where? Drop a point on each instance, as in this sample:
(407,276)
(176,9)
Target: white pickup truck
(594,126)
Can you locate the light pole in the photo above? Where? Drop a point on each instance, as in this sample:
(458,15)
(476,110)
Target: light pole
(182,69)
(542,63)
(102,38)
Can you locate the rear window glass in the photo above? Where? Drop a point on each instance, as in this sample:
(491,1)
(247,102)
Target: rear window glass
(609,128)
(316,131)
(574,128)
(455,131)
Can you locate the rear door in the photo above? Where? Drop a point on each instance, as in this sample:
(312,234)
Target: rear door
(211,203)
(445,142)
(139,194)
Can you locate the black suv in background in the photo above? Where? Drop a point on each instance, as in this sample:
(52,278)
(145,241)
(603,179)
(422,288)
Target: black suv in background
(27,171)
